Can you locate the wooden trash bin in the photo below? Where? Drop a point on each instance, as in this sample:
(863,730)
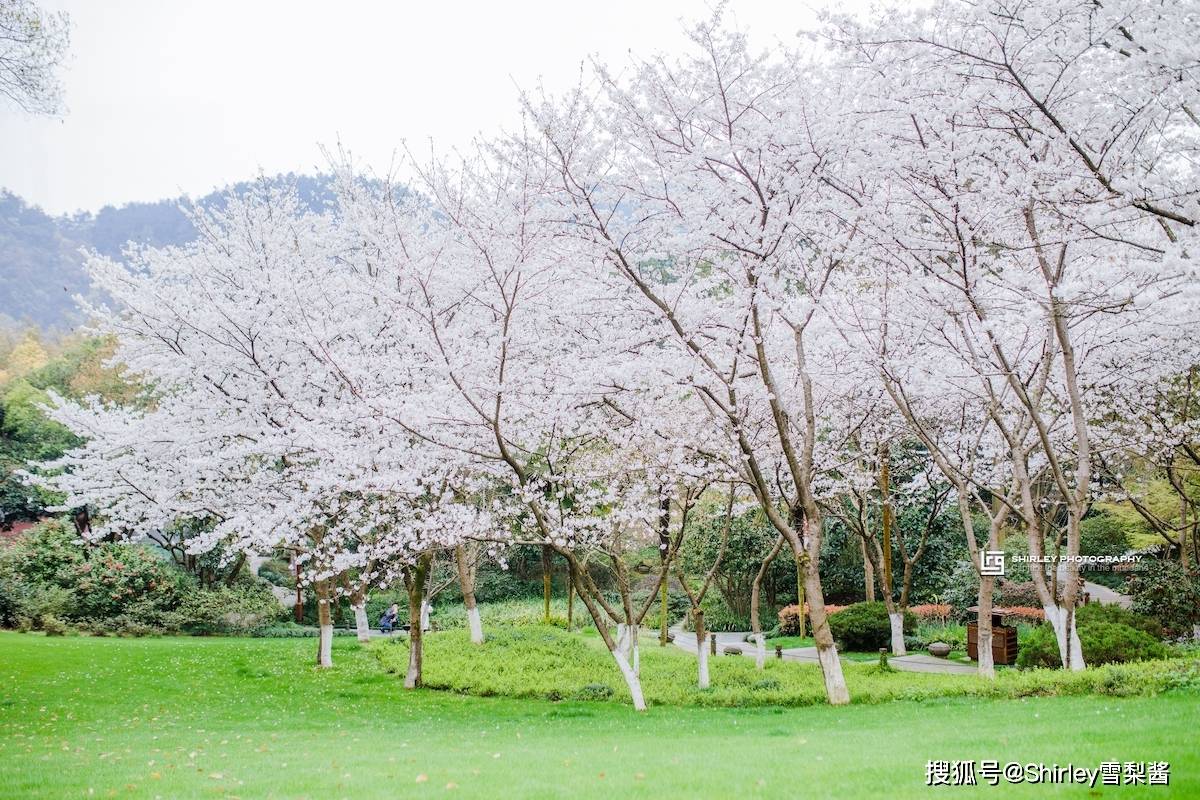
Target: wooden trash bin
(1004,638)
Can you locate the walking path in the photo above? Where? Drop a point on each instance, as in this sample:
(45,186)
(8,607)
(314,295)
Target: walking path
(1098,592)
(917,662)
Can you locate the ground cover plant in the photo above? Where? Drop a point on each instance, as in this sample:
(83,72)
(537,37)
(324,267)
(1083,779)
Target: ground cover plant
(549,663)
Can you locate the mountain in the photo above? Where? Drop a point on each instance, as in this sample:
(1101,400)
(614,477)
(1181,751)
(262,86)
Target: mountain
(41,264)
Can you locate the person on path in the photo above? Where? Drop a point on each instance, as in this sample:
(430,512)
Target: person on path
(388,620)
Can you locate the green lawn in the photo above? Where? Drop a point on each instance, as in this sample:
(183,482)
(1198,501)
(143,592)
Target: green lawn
(178,718)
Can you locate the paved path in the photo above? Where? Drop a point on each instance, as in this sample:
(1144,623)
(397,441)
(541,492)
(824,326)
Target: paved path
(917,662)
(1099,593)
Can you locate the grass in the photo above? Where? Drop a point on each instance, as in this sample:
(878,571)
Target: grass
(788,642)
(549,663)
(251,718)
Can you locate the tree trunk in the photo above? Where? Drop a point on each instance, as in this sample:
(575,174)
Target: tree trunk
(466,580)
(1070,649)
(325,639)
(662,628)
(896,618)
(755,621)
(801,600)
(416,603)
(701,648)
(570,605)
(987,667)
(631,678)
(546,583)
(868,572)
(361,624)
(831,665)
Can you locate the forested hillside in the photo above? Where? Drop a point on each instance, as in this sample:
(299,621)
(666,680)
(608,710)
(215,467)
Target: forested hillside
(41,260)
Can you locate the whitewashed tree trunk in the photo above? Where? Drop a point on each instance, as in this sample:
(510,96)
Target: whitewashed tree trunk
(466,580)
(476,625)
(760,651)
(325,657)
(897,621)
(1056,615)
(631,680)
(361,624)
(425,608)
(1077,662)
(702,663)
(624,642)
(637,654)
(836,691)
(325,637)
(1055,619)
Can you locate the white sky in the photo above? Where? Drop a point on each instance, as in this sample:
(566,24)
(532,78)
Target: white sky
(171,97)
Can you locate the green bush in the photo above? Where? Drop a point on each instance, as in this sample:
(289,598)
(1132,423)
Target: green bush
(953,635)
(865,626)
(53,626)
(1102,535)
(717,616)
(1102,642)
(115,575)
(290,630)
(1018,594)
(240,608)
(32,603)
(1102,612)
(962,590)
(1167,592)
(277,572)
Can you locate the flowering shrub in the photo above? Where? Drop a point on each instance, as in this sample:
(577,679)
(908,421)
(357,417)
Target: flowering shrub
(1025,614)
(789,618)
(935,612)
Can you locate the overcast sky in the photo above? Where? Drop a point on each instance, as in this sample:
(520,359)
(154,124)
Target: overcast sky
(170,97)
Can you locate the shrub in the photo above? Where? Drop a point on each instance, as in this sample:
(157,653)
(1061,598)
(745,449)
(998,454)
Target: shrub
(1027,614)
(53,626)
(932,612)
(1102,642)
(277,573)
(290,630)
(32,603)
(865,626)
(718,616)
(594,691)
(962,590)
(1099,612)
(1102,535)
(116,575)
(1114,643)
(1018,594)
(1165,591)
(928,633)
(228,609)
(789,620)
